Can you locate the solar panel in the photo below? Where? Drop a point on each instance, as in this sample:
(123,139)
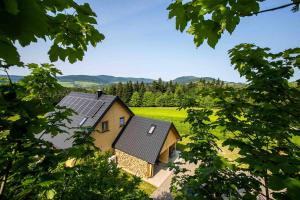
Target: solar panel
(63,100)
(68,101)
(82,105)
(87,108)
(77,105)
(72,104)
(94,109)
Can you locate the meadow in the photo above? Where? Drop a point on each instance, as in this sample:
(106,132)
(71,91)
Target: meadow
(79,84)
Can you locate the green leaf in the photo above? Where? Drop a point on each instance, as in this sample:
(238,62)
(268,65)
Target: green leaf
(11,6)
(277,182)
(293,188)
(8,53)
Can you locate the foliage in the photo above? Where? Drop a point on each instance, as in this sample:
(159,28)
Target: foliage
(208,20)
(148,99)
(260,120)
(69,25)
(135,99)
(30,167)
(161,94)
(23,117)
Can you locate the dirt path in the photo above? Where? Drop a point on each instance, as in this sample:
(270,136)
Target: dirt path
(163,192)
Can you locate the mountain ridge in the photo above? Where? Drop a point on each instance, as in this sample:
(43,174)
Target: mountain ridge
(108,79)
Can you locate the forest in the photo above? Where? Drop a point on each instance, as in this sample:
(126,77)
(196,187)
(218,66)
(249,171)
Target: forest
(159,93)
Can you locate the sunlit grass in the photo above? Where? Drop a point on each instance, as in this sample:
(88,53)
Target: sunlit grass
(147,187)
(144,186)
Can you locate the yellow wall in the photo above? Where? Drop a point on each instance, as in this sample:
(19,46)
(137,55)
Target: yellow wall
(164,157)
(104,140)
(171,139)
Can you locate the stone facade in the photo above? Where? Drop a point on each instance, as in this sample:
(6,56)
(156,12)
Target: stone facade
(132,164)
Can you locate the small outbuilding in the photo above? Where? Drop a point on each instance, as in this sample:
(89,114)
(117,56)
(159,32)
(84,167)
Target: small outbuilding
(144,143)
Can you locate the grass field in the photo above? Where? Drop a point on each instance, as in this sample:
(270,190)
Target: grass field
(146,187)
(81,84)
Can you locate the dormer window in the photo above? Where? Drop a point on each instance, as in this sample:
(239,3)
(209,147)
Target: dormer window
(152,128)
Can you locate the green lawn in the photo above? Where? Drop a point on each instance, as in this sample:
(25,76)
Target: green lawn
(82,84)
(146,187)
(66,84)
(85,84)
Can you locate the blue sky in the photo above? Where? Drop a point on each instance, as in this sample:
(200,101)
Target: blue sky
(142,42)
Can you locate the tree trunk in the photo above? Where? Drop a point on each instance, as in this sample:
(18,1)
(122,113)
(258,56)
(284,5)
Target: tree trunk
(267,188)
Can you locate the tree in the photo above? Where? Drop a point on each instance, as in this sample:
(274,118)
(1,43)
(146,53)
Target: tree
(265,117)
(208,20)
(127,91)
(120,90)
(165,99)
(31,168)
(148,99)
(135,99)
(260,120)
(142,89)
(70,33)
(178,96)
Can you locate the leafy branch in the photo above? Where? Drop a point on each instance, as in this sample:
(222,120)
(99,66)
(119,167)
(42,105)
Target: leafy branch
(295,3)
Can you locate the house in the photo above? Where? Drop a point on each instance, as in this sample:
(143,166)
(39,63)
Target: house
(138,143)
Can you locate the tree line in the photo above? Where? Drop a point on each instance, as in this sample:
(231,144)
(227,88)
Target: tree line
(159,93)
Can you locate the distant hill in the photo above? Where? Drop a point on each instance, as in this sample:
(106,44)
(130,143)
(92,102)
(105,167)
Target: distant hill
(88,81)
(187,79)
(14,78)
(102,79)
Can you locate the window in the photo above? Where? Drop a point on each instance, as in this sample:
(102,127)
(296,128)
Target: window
(122,121)
(104,126)
(151,130)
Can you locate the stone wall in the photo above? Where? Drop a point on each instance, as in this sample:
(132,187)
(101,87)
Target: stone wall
(132,164)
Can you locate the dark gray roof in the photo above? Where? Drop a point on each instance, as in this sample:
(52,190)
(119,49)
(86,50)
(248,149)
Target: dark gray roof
(85,105)
(136,141)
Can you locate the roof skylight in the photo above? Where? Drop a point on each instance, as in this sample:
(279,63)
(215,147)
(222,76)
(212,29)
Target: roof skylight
(151,130)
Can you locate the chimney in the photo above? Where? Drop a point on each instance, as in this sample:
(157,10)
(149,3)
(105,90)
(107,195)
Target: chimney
(99,93)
